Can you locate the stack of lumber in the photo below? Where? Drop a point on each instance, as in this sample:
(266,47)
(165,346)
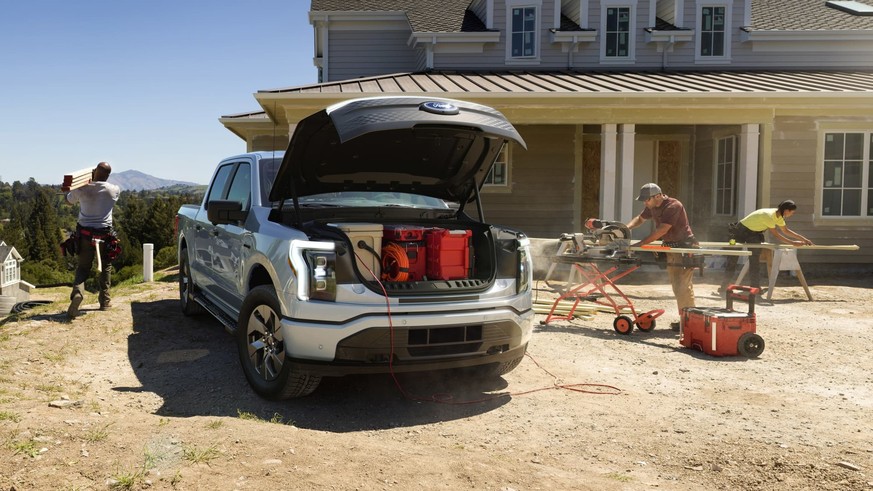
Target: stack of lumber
(77,179)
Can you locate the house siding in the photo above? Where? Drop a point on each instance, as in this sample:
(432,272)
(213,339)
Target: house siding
(541,201)
(355,54)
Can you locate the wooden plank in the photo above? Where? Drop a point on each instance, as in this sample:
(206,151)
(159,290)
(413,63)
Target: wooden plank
(693,252)
(770,245)
(76,179)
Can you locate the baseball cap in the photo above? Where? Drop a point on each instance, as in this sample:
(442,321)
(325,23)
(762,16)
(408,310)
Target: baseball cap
(648,190)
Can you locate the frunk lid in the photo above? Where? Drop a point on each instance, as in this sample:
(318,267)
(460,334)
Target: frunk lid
(422,145)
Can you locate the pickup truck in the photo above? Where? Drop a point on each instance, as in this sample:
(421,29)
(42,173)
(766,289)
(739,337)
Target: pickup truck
(352,251)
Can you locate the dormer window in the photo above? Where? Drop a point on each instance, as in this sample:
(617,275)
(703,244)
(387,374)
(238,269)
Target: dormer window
(713,27)
(524,32)
(618,25)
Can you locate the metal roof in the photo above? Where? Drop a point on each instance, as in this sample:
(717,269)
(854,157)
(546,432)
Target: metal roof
(617,83)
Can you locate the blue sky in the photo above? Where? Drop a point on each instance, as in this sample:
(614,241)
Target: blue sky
(139,84)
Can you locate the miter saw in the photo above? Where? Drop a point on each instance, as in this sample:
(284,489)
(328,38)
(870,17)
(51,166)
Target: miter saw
(602,240)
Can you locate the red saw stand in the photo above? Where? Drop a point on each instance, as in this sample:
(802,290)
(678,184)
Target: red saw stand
(599,287)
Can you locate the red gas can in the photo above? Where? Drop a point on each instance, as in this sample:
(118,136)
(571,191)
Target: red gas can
(722,331)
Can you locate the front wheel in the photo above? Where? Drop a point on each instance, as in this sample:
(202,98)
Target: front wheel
(623,325)
(262,349)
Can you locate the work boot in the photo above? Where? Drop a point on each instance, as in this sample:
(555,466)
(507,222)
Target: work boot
(106,305)
(73,309)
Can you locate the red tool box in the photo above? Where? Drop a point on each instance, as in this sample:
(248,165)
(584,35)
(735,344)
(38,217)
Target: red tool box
(722,331)
(448,254)
(404,254)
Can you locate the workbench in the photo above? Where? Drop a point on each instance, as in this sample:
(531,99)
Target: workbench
(782,257)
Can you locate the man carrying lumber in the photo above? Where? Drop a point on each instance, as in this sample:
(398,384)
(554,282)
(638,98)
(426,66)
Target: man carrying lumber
(750,230)
(94,234)
(672,227)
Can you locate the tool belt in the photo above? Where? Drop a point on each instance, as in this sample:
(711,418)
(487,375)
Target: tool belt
(741,233)
(688,260)
(107,235)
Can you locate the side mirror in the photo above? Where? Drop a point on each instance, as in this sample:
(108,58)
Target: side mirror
(222,211)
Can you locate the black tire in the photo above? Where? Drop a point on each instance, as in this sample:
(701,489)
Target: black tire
(187,288)
(623,325)
(646,325)
(262,350)
(750,345)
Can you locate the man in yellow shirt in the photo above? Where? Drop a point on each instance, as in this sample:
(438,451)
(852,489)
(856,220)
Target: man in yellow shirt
(750,230)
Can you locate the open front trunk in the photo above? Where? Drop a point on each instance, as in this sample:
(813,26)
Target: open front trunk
(423,257)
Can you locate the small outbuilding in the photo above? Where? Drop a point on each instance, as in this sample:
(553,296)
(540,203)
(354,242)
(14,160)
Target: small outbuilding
(12,289)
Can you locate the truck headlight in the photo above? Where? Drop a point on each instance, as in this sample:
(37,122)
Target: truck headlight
(314,265)
(525,266)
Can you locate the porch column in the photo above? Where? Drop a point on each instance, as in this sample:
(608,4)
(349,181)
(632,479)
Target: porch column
(608,165)
(747,172)
(627,135)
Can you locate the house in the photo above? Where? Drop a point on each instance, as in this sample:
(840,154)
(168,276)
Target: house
(730,105)
(12,289)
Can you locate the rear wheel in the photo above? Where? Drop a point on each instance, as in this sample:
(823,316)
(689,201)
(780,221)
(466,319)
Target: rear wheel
(750,345)
(263,351)
(187,287)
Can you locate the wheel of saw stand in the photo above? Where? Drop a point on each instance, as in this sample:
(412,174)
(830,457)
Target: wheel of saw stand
(623,325)
(646,325)
(750,345)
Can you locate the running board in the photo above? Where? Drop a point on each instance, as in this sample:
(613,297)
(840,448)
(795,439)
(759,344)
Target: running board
(227,321)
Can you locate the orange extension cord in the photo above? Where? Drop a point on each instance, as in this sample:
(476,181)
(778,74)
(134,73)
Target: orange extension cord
(395,263)
(596,389)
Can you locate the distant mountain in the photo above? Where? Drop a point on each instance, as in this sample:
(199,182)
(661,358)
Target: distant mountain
(134,180)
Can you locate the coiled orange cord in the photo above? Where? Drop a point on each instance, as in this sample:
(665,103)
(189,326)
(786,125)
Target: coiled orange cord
(395,263)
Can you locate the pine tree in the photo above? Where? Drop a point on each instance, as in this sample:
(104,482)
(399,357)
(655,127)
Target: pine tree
(42,233)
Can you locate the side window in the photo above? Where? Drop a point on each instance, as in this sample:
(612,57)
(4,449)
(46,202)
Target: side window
(497,179)
(847,185)
(219,184)
(240,187)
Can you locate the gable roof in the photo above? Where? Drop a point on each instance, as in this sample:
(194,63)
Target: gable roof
(6,251)
(423,15)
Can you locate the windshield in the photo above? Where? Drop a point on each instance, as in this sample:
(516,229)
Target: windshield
(371,198)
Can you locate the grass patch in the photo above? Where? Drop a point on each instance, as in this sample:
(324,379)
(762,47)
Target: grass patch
(8,416)
(214,425)
(198,455)
(126,479)
(54,389)
(276,419)
(97,434)
(618,476)
(28,448)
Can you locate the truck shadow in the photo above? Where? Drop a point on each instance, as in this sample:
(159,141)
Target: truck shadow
(192,364)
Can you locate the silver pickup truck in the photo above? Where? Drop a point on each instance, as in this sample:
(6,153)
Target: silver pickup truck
(353,252)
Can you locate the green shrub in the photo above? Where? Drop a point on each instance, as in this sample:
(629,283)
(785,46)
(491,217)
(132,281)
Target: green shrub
(166,257)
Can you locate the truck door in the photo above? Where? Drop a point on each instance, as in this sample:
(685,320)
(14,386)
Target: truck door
(233,242)
(204,233)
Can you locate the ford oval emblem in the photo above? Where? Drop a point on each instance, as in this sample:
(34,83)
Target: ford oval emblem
(437,107)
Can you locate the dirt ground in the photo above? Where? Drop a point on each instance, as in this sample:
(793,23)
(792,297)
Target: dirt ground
(140,397)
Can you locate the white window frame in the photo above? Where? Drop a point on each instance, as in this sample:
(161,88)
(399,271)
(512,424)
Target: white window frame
(504,161)
(728,26)
(11,275)
(632,32)
(729,167)
(865,188)
(537,6)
